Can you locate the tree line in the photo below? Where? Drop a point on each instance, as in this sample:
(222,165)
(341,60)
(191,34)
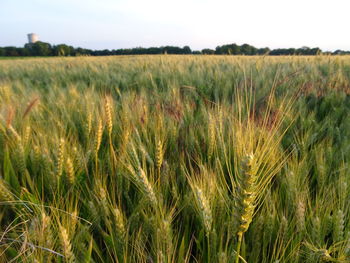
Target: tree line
(45,49)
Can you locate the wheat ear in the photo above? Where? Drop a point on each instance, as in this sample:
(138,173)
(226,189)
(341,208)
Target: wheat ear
(246,198)
(204,207)
(211,136)
(159,155)
(98,137)
(59,158)
(88,123)
(5,194)
(338,226)
(67,246)
(108,112)
(70,171)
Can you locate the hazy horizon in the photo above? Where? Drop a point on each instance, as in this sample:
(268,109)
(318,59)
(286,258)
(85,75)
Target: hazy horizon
(199,24)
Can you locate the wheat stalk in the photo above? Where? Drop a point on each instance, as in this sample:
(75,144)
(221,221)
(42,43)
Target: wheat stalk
(102,193)
(21,164)
(98,136)
(59,158)
(120,221)
(300,215)
(108,112)
(5,194)
(26,135)
(247,193)
(30,107)
(204,207)
(98,139)
(46,230)
(246,198)
(70,171)
(318,254)
(36,155)
(159,155)
(143,182)
(316,230)
(67,246)
(338,226)
(14,134)
(88,123)
(211,136)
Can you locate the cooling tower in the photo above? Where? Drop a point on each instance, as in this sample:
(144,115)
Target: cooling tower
(32,38)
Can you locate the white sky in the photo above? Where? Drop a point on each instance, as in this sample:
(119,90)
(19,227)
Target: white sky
(112,24)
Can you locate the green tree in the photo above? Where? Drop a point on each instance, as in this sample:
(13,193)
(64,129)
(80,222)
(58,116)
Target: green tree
(40,49)
(208,51)
(11,51)
(186,50)
(61,50)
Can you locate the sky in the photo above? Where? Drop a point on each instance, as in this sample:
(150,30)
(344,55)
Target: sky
(114,24)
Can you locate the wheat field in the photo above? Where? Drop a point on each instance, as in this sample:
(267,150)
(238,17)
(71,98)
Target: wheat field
(175,159)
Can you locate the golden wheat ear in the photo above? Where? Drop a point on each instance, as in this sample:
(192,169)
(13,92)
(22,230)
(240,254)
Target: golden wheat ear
(70,171)
(159,155)
(98,136)
(108,112)
(258,157)
(60,157)
(247,193)
(66,245)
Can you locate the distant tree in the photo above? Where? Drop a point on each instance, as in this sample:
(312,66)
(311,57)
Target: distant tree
(291,51)
(341,52)
(23,52)
(11,51)
(172,50)
(236,49)
(221,50)
(315,51)
(45,49)
(61,50)
(72,51)
(218,50)
(231,49)
(248,49)
(154,50)
(208,51)
(82,52)
(105,52)
(263,51)
(278,52)
(39,49)
(186,50)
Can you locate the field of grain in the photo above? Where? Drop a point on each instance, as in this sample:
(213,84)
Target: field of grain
(175,159)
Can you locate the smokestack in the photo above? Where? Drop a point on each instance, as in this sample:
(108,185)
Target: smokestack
(32,38)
